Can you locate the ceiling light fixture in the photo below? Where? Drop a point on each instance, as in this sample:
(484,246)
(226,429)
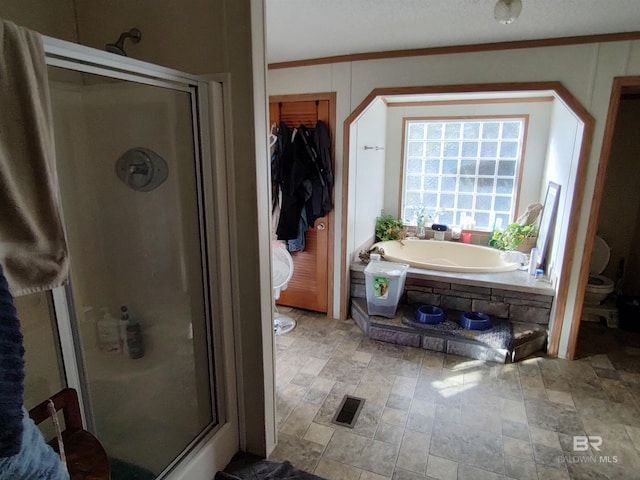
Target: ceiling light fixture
(506,11)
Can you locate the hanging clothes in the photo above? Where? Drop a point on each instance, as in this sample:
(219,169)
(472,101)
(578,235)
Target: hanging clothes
(320,204)
(292,169)
(301,166)
(299,243)
(276,200)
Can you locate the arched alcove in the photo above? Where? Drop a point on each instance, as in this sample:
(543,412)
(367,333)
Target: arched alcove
(565,161)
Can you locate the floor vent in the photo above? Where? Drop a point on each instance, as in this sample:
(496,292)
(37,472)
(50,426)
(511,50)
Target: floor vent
(348,411)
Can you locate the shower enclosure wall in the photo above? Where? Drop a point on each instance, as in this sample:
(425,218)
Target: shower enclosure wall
(149,251)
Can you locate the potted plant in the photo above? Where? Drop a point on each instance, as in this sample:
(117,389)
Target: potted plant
(515,236)
(389,227)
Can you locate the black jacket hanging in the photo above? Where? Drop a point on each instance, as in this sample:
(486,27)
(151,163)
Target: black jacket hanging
(302,168)
(294,164)
(320,203)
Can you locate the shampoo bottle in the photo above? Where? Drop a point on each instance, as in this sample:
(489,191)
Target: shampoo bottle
(134,335)
(124,321)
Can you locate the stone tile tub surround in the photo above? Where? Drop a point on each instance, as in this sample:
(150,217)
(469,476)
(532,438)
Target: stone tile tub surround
(528,338)
(511,295)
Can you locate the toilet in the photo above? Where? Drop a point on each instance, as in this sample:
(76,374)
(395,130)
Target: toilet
(599,286)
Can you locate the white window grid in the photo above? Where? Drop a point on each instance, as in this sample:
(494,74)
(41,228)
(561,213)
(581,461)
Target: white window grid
(462,167)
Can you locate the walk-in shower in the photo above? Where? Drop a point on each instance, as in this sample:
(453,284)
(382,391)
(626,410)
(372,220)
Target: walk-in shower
(140,223)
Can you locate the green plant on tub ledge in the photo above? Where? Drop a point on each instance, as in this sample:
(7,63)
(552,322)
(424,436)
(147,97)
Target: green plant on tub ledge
(389,227)
(514,237)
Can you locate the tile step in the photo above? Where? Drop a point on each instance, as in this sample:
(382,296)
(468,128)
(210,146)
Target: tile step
(528,338)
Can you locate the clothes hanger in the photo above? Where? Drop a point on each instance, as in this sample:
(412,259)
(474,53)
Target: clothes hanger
(273,138)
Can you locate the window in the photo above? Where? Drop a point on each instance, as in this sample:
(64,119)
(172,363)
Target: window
(462,167)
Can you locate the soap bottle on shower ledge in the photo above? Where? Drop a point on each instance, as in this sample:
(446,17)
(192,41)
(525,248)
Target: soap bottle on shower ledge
(134,335)
(108,334)
(122,330)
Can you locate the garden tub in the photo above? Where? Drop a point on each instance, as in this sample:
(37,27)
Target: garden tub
(446,256)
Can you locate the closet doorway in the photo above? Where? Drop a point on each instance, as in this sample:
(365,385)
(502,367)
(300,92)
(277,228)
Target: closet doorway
(310,287)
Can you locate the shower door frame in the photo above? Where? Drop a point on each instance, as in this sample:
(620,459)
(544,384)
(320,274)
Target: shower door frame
(215,445)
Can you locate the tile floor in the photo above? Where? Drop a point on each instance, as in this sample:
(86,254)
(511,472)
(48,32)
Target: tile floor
(436,416)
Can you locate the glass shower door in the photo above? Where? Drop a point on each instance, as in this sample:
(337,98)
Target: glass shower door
(130,188)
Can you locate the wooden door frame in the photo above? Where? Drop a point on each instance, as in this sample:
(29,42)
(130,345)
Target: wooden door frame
(331,98)
(561,93)
(619,84)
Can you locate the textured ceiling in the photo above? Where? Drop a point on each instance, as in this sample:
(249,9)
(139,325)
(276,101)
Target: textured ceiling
(305,29)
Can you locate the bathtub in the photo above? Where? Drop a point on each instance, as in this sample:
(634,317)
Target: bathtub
(446,256)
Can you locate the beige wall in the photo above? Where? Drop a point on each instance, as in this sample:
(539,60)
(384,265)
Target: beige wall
(54,18)
(188,35)
(249,218)
(585,70)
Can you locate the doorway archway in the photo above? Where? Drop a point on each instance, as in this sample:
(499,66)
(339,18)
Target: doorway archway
(620,87)
(574,194)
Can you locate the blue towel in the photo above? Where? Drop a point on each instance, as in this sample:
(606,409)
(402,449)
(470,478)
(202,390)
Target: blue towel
(24,455)
(36,460)
(11,373)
